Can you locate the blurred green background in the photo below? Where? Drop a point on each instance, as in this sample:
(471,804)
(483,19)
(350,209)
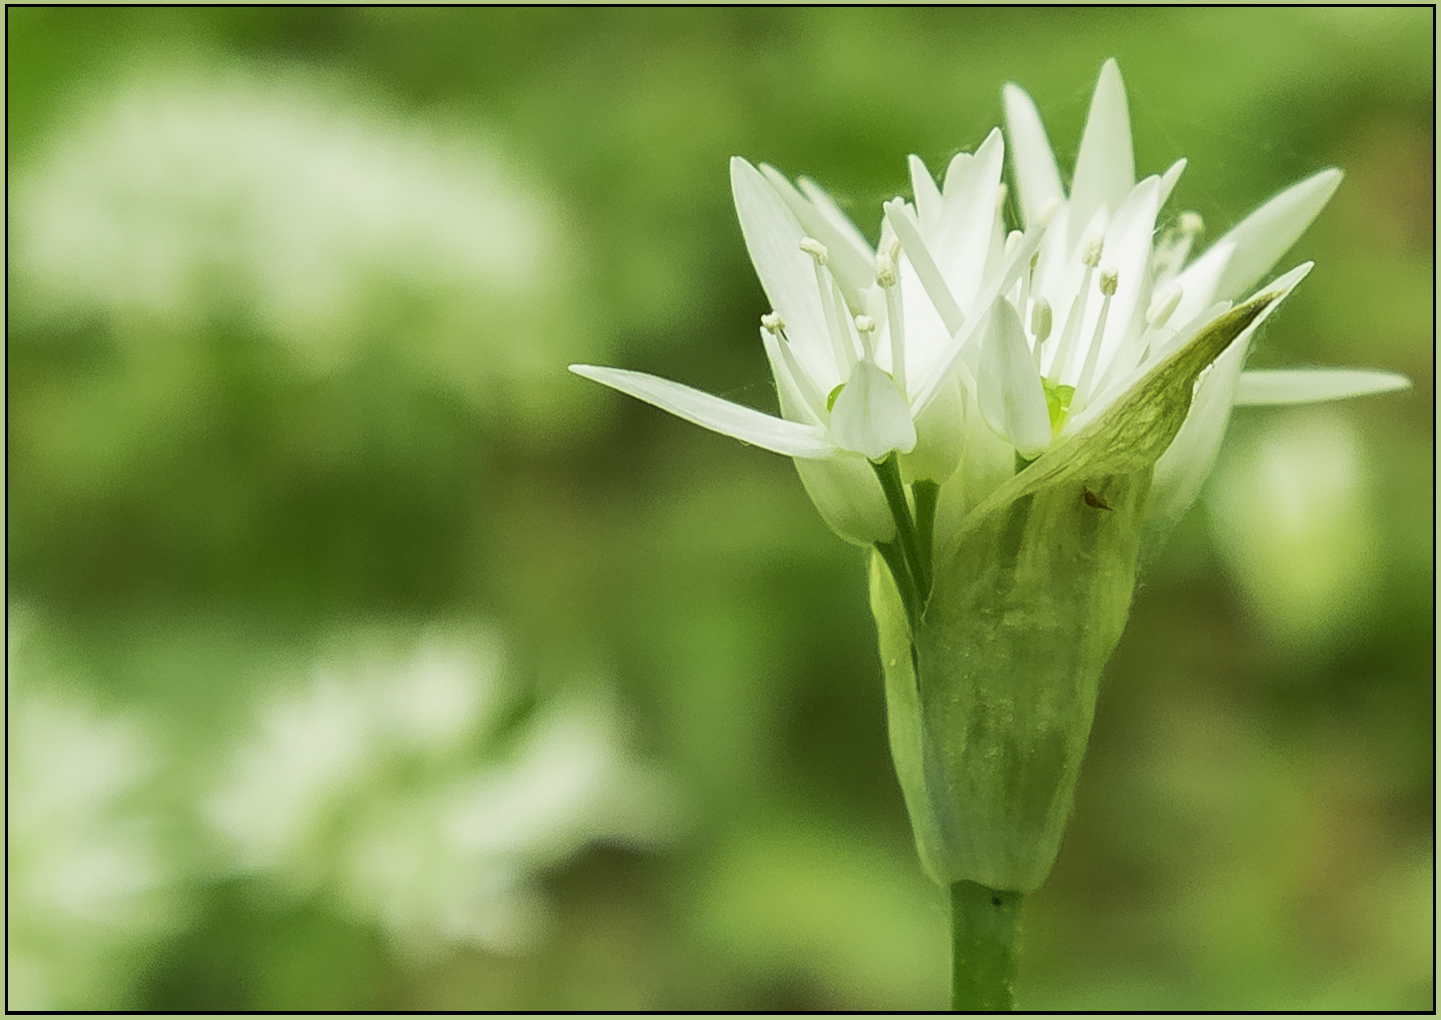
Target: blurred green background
(360,657)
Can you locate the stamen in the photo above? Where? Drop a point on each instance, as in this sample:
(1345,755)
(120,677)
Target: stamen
(772,323)
(886,269)
(908,233)
(1026,277)
(1164,305)
(844,323)
(815,250)
(1090,258)
(888,276)
(1191,223)
(810,393)
(1109,279)
(841,347)
(1040,326)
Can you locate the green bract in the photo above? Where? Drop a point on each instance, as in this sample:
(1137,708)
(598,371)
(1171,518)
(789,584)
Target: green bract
(991,698)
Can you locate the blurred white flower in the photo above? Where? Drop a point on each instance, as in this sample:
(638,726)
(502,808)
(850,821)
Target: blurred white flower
(273,200)
(401,785)
(88,879)
(1311,560)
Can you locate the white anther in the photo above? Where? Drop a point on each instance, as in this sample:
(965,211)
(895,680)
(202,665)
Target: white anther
(865,324)
(772,323)
(815,250)
(1041,320)
(886,269)
(1109,279)
(1191,223)
(1013,239)
(1091,250)
(1163,306)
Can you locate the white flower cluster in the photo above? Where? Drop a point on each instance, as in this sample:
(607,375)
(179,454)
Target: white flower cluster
(962,349)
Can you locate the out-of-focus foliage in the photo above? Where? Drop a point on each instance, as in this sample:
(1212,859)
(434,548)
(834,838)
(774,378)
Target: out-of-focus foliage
(364,658)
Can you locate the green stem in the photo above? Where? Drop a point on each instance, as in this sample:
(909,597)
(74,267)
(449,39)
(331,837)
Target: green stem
(889,472)
(927,494)
(905,584)
(983,948)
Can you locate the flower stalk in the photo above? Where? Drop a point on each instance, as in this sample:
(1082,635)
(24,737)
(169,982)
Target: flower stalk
(985,932)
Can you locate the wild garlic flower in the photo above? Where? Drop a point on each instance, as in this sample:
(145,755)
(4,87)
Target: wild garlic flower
(954,344)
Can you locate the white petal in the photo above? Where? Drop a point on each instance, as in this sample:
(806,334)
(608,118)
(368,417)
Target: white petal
(1105,166)
(858,258)
(1262,387)
(1169,179)
(925,389)
(1265,235)
(1200,282)
(852,265)
(799,399)
(743,423)
(928,196)
(1128,251)
(773,237)
(1034,164)
(1010,394)
(870,416)
(1184,466)
(961,238)
(850,500)
(955,173)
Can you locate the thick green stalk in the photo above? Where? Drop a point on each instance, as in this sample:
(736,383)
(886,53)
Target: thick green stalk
(984,930)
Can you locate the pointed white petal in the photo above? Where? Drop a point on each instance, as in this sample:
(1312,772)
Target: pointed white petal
(950,358)
(1187,461)
(852,265)
(1010,394)
(928,196)
(773,237)
(870,416)
(744,423)
(1034,164)
(1261,387)
(1128,252)
(955,173)
(834,215)
(1105,166)
(961,238)
(1200,282)
(908,231)
(1169,179)
(1265,235)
